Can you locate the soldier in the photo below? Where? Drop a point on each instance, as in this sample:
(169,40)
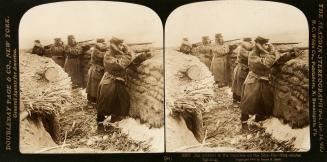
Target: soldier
(113,98)
(58,52)
(72,63)
(242,69)
(38,48)
(185,47)
(204,51)
(219,62)
(96,70)
(257,96)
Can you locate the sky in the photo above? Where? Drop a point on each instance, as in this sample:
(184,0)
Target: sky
(236,19)
(90,20)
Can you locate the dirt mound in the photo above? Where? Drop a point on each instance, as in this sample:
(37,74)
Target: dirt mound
(34,137)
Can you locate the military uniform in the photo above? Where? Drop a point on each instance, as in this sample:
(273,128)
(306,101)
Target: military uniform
(72,63)
(113,98)
(58,53)
(242,69)
(257,95)
(96,71)
(204,51)
(185,46)
(219,66)
(85,59)
(37,49)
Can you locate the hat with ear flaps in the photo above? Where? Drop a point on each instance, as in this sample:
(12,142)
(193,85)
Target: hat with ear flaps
(70,37)
(205,37)
(100,40)
(218,35)
(261,40)
(116,40)
(247,39)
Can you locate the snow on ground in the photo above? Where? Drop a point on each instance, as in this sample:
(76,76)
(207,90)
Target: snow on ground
(282,131)
(142,132)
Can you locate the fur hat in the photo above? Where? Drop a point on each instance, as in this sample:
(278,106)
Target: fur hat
(116,40)
(247,39)
(261,40)
(71,37)
(100,40)
(218,35)
(205,38)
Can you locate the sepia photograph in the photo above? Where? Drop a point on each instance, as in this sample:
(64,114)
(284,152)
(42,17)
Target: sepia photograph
(91,78)
(237,78)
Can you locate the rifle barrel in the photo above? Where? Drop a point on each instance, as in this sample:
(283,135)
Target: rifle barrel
(134,44)
(285,43)
(231,40)
(292,49)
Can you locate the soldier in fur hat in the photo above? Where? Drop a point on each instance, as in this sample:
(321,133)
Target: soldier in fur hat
(96,70)
(219,66)
(185,47)
(204,51)
(72,63)
(58,52)
(38,48)
(242,69)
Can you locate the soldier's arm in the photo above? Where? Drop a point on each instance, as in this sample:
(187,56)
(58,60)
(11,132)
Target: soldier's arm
(284,57)
(243,53)
(110,62)
(259,62)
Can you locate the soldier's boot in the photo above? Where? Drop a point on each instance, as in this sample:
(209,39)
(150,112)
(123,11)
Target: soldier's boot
(100,128)
(245,128)
(259,118)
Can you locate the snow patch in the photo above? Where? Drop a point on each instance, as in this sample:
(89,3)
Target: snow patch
(142,132)
(283,132)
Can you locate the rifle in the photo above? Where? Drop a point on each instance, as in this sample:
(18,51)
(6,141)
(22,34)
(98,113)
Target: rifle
(285,43)
(49,45)
(142,50)
(231,40)
(292,49)
(199,43)
(135,44)
(85,41)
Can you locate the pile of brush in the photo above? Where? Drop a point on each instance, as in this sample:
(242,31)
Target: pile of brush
(45,91)
(146,89)
(187,95)
(291,87)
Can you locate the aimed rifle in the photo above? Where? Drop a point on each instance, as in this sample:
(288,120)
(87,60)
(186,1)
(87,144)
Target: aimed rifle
(199,43)
(85,41)
(141,50)
(285,43)
(49,45)
(232,40)
(135,44)
(292,49)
